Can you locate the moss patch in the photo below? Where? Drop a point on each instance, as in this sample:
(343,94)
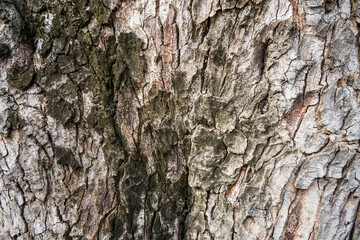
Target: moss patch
(22,76)
(65,157)
(59,108)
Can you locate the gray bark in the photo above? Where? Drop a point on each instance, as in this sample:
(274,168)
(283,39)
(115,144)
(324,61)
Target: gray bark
(179,119)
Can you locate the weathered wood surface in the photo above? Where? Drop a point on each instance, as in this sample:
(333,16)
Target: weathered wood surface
(179,119)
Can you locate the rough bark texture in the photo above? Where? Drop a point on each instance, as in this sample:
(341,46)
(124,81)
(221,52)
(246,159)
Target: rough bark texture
(179,119)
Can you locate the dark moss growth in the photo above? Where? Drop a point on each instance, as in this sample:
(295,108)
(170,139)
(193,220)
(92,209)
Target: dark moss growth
(100,11)
(22,76)
(67,19)
(159,105)
(45,47)
(134,182)
(260,55)
(117,227)
(263,106)
(172,205)
(178,79)
(205,109)
(29,26)
(114,154)
(129,53)
(4,50)
(118,75)
(198,32)
(101,63)
(78,53)
(156,229)
(66,64)
(91,119)
(118,71)
(219,56)
(329,5)
(59,109)
(14,120)
(65,157)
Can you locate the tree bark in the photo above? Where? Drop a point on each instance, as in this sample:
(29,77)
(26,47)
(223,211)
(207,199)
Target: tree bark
(179,119)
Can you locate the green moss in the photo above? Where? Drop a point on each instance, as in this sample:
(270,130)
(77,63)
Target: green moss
(99,11)
(86,41)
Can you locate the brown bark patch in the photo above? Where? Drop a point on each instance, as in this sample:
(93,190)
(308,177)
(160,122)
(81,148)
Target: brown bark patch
(341,82)
(297,110)
(127,114)
(231,191)
(169,35)
(292,223)
(300,19)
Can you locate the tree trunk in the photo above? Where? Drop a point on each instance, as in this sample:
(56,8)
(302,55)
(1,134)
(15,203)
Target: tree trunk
(179,119)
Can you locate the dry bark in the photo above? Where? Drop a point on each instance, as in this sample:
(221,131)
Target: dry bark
(179,119)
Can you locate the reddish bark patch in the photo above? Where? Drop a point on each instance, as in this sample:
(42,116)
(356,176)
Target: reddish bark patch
(299,106)
(341,82)
(127,114)
(300,19)
(231,190)
(168,41)
(292,223)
